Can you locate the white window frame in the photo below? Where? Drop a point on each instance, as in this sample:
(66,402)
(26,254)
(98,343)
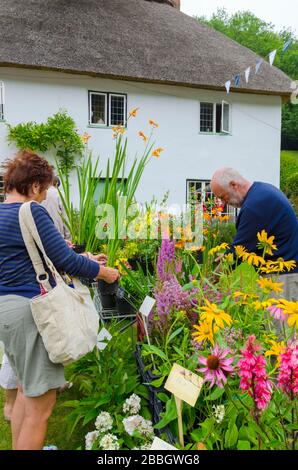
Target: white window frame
(2,101)
(222,131)
(91,93)
(124,108)
(231,211)
(223,104)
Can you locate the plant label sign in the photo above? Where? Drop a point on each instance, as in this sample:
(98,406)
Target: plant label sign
(103,335)
(147,306)
(184,384)
(159,444)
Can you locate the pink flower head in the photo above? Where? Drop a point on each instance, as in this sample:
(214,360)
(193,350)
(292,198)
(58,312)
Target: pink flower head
(288,371)
(277,313)
(217,367)
(252,370)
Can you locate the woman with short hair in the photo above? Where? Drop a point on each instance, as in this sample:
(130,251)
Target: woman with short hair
(26,178)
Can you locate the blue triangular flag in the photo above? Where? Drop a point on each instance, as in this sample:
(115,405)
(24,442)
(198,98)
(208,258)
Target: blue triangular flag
(258,65)
(287,44)
(237,80)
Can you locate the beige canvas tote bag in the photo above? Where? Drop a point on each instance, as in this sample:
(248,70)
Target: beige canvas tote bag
(65,317)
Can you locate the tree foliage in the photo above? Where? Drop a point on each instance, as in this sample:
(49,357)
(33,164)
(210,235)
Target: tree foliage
(261,37)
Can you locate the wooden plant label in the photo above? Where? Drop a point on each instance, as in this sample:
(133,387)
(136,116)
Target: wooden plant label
(101,337)
(147,306)
(184,384)
(159,444)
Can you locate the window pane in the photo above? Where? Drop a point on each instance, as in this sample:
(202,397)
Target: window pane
(226,118)
(218,118)
(98,109)
(117,110)
(1,100)
(206,117)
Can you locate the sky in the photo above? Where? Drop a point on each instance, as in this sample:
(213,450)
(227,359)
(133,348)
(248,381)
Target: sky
(282,13)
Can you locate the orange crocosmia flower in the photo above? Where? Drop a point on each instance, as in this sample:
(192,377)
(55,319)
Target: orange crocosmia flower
(133,112)
(141,134)
(85,137)
(157,152)
(153,123)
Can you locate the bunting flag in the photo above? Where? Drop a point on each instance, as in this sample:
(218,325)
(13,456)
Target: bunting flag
(237,80)
(228,86)
(272,57)
(287,44)
(258,65)
(247,73)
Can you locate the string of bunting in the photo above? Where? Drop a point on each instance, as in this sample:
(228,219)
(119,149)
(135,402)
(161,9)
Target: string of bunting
(256,67)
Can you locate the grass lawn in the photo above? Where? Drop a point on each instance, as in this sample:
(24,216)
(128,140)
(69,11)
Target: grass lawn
(57,432)
(293,153)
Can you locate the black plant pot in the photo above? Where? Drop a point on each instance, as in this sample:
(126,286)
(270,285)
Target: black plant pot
(108,300)
(107,289)
(122,304)
(79,248)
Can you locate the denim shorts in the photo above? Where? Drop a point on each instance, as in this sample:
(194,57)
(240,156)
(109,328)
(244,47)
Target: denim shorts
(25,349)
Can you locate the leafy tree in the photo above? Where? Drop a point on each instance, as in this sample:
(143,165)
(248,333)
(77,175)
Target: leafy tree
(262,38)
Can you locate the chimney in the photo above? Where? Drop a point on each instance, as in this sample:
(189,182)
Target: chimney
(176,4)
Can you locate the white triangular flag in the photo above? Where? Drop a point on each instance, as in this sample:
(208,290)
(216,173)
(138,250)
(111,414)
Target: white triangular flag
(228,86)
(258,65)
(272,57)
(247,73)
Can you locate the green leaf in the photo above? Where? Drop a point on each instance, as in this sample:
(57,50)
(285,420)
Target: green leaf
(175,333)
(231,436)
(153,350)
(158,382)
(218,392)
(169,415)
(243,445)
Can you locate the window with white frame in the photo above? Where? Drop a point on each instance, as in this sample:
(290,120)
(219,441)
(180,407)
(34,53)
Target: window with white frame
(200,191)
(215,117)
(107,109)
(1,101)
(2,195)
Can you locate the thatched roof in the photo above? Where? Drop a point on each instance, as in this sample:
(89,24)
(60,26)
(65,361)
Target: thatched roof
(126,39)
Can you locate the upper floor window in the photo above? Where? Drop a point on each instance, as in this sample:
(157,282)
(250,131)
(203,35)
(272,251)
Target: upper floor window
(107,109)
(215,117)
(1,101)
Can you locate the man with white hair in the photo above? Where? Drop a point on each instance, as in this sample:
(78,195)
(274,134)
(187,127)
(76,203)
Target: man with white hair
(263,207)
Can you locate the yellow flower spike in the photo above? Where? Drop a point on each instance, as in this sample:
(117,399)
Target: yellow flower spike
(144,137)
(133,112)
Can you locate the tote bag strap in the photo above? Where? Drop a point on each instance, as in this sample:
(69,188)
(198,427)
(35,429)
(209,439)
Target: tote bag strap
(31,239)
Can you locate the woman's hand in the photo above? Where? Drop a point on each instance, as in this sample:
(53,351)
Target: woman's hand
(108,275)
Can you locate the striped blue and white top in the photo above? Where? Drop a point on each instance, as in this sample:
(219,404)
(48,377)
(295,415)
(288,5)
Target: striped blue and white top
(17,275)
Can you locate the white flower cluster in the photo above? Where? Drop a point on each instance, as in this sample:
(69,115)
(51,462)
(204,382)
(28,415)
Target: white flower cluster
(132,405)
(104,422)
(90,438)
(218,413)
(139,424)
(109,442)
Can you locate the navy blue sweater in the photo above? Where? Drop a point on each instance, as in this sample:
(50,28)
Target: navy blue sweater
(266,207)
(17,275)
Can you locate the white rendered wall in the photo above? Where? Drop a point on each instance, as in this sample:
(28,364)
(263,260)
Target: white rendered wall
(253,146)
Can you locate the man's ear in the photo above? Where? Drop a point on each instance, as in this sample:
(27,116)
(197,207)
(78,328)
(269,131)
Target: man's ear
(233,185)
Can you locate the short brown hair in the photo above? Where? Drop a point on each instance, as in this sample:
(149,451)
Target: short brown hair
(24,170)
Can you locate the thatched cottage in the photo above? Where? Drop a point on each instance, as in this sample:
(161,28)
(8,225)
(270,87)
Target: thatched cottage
(100,58)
